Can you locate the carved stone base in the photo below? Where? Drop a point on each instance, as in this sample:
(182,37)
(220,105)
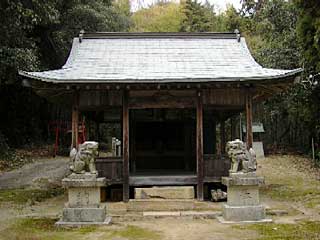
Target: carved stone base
(243,213)
(243,203)
(83,207)
(79,224)
(84,214)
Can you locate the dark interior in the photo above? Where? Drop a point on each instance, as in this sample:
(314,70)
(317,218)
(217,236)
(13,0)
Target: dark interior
(161,145)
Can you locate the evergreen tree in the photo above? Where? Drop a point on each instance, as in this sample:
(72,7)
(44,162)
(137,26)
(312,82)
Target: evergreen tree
(37,35)
(197,17)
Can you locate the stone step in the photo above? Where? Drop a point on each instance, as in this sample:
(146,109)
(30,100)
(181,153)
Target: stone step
(165,214)
(143,205)
(165,192)
(193,214)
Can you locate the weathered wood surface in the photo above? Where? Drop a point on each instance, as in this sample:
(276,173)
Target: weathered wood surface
(249,134)
(234,133)
(147,180)
(161,99)
(222,137)
(215,167)
(100,98)
(75,120)
(199,144)
(111,168)
(125,139)
(220,97)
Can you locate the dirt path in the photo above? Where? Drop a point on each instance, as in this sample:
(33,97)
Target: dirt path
(41,172)
(194,229)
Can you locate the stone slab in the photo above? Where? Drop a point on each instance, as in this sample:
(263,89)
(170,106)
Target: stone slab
(243,196)
(206,214)
(164,193)
(243,213)
(242,181)
(83,196)
(258,149)
(242,174)
(161,214)
(61,223)
(83,176)
(83,182)
(84,215)
(222,220)
(196,214)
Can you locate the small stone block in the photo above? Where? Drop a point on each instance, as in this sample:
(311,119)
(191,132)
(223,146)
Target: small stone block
(243,213)
(84,196)
(84,214)
(243,196)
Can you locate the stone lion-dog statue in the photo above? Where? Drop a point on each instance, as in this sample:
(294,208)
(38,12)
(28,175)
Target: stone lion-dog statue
(83,159)
(242,160)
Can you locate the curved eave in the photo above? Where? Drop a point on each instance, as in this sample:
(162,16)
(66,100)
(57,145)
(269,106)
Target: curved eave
(255,79)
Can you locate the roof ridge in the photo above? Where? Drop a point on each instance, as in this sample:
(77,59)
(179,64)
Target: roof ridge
(216,35)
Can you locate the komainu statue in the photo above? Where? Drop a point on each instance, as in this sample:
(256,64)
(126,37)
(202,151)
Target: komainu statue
(242,160)
(83,160)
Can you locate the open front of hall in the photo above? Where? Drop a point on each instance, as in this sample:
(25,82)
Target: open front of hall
(171,99)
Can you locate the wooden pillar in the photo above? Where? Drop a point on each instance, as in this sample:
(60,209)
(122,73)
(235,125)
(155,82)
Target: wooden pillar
(133,145)
(222,137)
(214,136)
(249,137)
(233,128)
(75,120)
(199,135)
(125,140)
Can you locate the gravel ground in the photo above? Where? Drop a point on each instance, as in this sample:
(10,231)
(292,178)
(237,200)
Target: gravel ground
(40,173)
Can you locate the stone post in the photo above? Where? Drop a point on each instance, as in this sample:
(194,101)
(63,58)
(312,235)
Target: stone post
(243,204)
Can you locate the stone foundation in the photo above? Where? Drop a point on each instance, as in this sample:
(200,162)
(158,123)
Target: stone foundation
(243,213)
(83,207)
(84,214)
(243,203)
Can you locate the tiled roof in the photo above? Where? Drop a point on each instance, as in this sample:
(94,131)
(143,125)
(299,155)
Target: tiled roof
(159,58)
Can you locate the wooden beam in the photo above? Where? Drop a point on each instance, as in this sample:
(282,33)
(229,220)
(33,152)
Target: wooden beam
(199,140)
(125,140)
(163,180)
(249,137)
(75,120)
(162,99)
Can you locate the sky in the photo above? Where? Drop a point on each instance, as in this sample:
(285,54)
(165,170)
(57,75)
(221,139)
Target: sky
(220,5)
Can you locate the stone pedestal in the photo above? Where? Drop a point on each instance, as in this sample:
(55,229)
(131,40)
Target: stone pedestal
(83,207)
(243,203)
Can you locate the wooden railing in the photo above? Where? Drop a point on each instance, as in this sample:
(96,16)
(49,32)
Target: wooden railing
(215,166)
(110,168)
